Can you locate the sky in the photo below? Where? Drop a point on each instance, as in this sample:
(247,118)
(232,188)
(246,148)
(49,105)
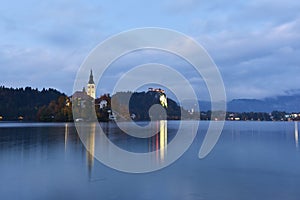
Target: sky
(255,44)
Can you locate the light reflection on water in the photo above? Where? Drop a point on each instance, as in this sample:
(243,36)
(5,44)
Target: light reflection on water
(252,160)
(96,141)
(296,135)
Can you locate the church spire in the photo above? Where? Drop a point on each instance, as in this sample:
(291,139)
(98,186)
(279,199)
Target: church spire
(91,81)
(91,88)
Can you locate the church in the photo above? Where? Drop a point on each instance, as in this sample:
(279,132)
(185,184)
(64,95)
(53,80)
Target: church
(80,97)
(90,93)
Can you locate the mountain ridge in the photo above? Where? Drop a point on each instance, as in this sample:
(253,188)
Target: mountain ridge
(288,103)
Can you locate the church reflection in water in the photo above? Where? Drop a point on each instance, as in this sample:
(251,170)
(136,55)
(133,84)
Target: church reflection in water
(95,140)
(91,147)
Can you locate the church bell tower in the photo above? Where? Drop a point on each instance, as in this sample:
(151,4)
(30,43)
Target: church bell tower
(91,89)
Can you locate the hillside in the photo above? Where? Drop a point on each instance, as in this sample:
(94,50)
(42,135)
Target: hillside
(140,103)
(25,102)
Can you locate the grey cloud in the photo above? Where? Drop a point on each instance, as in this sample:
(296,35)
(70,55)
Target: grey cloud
(180,6)
(254,43)
(38,67)
(259,64)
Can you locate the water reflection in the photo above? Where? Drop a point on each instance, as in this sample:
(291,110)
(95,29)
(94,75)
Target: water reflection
(50,162)
(66,135)
(296,135)
(163,139)
(91,147)
(96,141)
(159,142)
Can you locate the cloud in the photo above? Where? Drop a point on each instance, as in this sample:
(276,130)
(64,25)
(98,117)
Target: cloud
(262,60)
(254,43)
(37,67)
(181,6)
(44,46)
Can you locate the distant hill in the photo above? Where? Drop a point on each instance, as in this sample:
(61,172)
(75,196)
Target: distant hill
(25,102)
(288,103)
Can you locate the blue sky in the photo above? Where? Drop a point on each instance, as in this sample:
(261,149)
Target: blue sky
(255,44)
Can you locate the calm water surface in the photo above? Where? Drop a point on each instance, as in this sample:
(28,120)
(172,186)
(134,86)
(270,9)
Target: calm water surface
(252,160)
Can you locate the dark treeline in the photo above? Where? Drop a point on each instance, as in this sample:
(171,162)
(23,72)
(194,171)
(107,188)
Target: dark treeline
(27,103)
(59,110)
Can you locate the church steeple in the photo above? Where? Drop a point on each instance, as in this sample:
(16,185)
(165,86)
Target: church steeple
(91,81)
(91,89)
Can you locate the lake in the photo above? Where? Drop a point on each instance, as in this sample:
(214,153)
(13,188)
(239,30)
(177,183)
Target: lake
(251,160)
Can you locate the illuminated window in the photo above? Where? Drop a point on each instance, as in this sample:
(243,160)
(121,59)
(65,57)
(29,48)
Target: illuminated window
(163,101)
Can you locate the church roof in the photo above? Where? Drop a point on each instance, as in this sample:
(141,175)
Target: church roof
(80,95)
(91,81)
